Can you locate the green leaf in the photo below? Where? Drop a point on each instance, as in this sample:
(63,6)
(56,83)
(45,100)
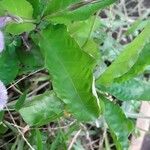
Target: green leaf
(126,59)
(78,11)
(9,65)
(71,70)
(129,90)
(140,65)
(120,127)
(18,28)
(20,8)
(42,109)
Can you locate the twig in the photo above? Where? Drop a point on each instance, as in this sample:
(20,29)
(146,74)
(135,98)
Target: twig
(19,130)
(74,139)
(24,78)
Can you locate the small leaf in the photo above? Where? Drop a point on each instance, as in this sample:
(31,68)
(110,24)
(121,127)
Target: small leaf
(18,28)
(126,59)
(129,90)
(41,109)
(71,70)
(120,127)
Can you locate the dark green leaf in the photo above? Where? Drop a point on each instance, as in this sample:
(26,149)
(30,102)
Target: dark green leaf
(120,127)
(30,60)
(9,65)
(42,109)
(71,70)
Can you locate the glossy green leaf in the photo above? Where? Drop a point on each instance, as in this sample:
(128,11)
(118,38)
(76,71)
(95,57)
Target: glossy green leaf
(129,90)
(140,65)
(41,109)
(71,70)
(126,59)
(9,65)
(18,28)
(78,11)
(120,127)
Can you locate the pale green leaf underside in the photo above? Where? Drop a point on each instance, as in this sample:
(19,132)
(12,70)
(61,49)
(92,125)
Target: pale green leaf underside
(71,70)
(120,127)
(126,59)
(129,90)
(42,109)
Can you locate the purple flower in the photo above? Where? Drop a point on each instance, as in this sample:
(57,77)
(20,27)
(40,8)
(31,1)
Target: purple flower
(3,95)
(2,43)
(4,20)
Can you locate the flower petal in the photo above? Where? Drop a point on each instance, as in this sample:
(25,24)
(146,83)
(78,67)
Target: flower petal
(2,43)
(3,95)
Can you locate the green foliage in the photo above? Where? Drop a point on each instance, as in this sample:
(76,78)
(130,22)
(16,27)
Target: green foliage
(9,65)
(60,36)
(42,109)
(129,90)
(126,59)
(83,33)
(73,67)
(15,9)
(120,127)
(77,12)
(142,62)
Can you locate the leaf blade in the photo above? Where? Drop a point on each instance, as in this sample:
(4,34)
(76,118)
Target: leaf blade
(73,67)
